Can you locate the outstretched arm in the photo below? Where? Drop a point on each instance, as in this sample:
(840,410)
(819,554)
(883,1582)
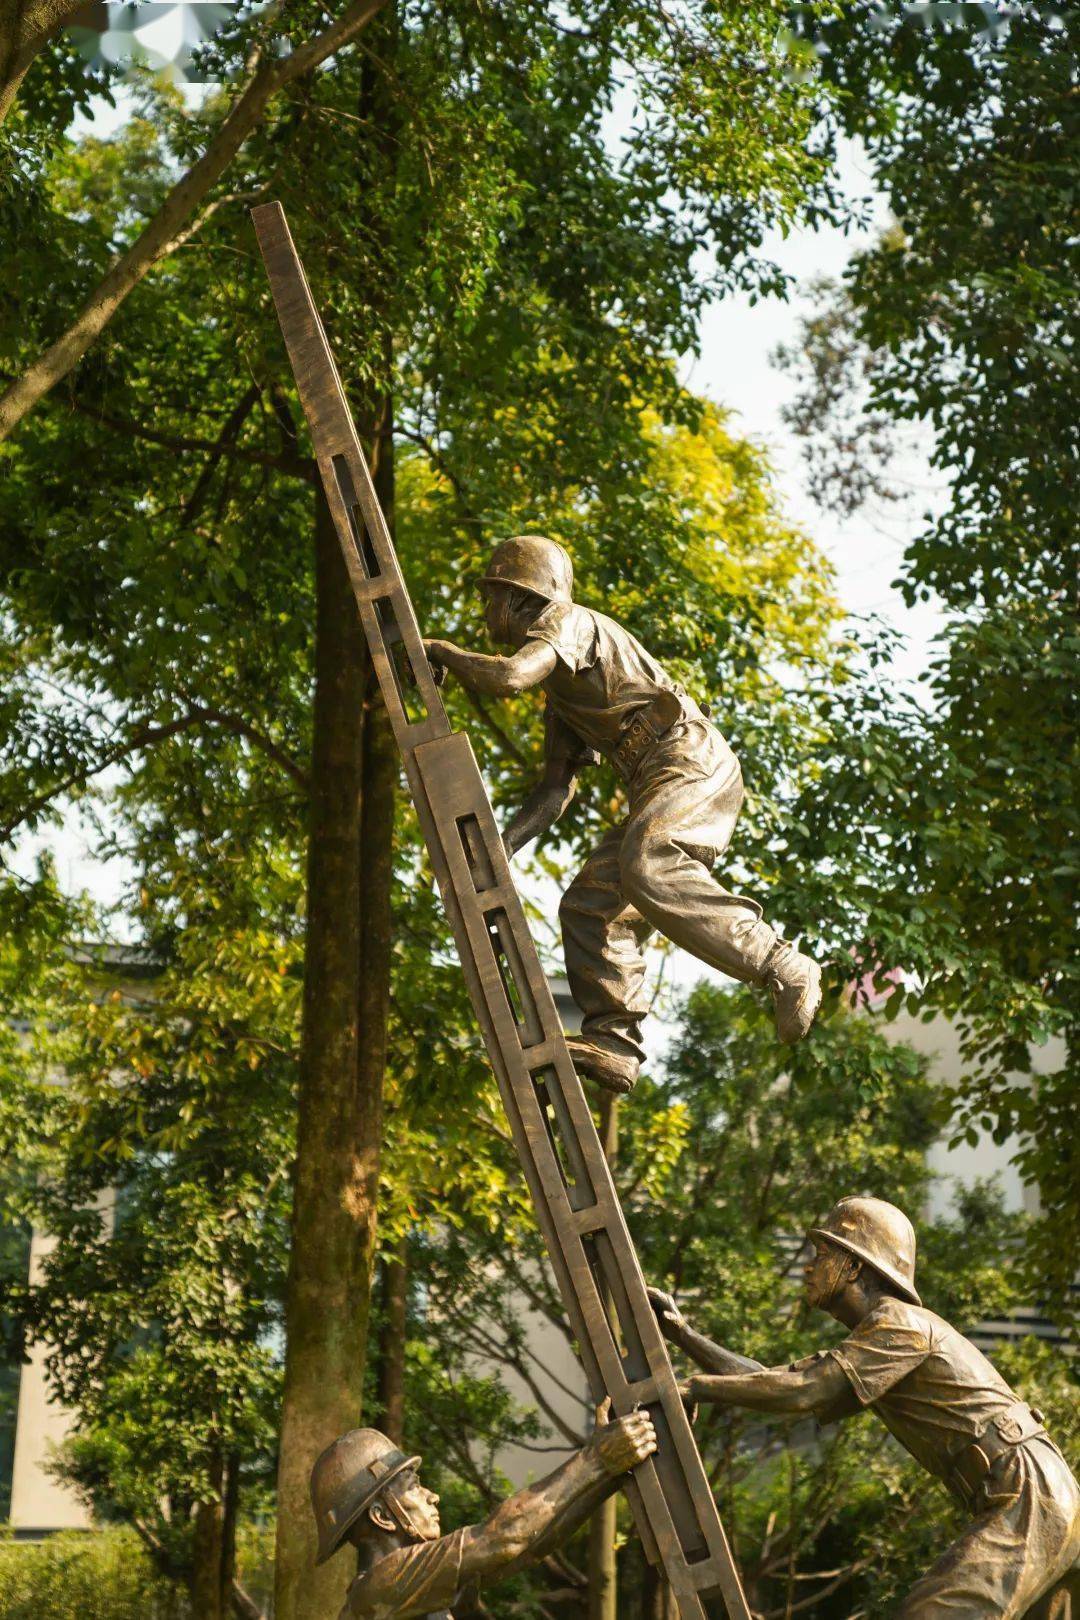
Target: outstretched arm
(807,1390)
(713,1358)
(495,676)
(527,1525)
(544,805)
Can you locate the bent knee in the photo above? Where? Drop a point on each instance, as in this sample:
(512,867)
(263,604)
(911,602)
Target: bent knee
(583,902)
(572,902)
(645,871)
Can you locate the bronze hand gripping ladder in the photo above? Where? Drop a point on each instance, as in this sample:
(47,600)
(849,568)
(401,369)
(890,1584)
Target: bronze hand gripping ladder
(577,1208)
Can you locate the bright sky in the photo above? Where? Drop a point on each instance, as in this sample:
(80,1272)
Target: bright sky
(735,369)
(738,339)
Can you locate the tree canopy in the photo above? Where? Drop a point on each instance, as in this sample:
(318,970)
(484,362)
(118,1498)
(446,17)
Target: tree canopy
(960,321)
(512,221)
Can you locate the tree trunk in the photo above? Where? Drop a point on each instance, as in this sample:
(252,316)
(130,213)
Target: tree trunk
(27,27)
(603,1571)
(211,1572)
(392,1344)
(346,982)
(657,1598)
(346,1007)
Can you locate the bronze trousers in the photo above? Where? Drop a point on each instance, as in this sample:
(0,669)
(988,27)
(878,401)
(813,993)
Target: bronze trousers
(653,873)
(1020,1559)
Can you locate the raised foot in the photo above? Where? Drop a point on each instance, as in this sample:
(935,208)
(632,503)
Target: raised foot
(613,1073)
(794,981)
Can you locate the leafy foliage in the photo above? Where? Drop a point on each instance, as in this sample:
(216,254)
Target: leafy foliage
(960,320)
(106,1576)
(518,289)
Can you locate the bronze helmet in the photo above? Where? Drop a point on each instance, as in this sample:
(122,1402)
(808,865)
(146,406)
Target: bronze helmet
(347,1478)
(878,1233)
(535,564)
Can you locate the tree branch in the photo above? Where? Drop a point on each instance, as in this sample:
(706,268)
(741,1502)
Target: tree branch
(146,736)
(504,739)
(177,218)
(295,464)
(25,29)
(226,440)
(239,727)
(242,1604)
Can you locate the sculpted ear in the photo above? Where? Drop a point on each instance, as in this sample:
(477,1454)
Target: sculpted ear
(381,1518)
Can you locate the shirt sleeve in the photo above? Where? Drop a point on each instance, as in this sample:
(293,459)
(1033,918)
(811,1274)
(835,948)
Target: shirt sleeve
(879,1354)
(570,630)
(411,1581)
(561,741)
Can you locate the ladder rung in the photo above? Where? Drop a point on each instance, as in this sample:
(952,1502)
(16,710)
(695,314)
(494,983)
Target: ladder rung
(592,1219)
(541,1057)
(425,731)
(705,1577)
(488,899)
(643,1392)
(373,590)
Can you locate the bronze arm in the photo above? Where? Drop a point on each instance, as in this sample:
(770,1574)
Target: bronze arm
(529,1523)
(494,676)
(803,1391)
(711,1357)
(544,805)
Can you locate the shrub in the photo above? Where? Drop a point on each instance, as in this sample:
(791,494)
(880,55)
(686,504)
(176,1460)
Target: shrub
(98,1575)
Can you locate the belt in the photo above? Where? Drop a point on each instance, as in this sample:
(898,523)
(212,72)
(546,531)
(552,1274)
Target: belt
(969,1466)
(644,731)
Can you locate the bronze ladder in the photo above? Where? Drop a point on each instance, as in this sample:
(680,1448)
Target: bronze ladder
(577,1207)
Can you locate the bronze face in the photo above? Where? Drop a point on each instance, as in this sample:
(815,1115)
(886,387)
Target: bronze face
(508,612)
(880,1234)
(418,1505)
(497,613)
(825,1273)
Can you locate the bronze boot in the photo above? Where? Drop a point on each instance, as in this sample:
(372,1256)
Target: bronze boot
(794,981)
(609,1070)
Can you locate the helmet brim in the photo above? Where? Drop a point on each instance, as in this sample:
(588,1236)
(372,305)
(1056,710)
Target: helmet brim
(513,585)
(905,1288)
(362,1506)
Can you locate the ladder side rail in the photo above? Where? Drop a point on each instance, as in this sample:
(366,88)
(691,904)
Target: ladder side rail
(577,1285)
(344,470)
(442,766)
(543,1181)
(538,1188)
(413,701)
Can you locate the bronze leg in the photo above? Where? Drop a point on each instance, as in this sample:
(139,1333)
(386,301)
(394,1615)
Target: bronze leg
(682,822)
(1017,1558)
(603,939)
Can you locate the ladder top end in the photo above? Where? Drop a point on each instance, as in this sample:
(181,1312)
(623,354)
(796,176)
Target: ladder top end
(267,213)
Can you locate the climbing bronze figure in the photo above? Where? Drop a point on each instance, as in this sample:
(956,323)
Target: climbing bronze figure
(368,1494)
(607,696)
(944,1402)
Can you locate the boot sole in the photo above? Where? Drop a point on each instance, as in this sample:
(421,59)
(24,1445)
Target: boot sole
(609,1079)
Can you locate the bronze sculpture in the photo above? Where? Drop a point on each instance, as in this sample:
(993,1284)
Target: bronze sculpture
(606,695)
(578,1211)
(367,1493)
(944,1402)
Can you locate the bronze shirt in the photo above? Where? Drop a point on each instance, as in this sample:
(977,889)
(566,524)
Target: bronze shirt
(603,674)
(421,1580)
(931,1387)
